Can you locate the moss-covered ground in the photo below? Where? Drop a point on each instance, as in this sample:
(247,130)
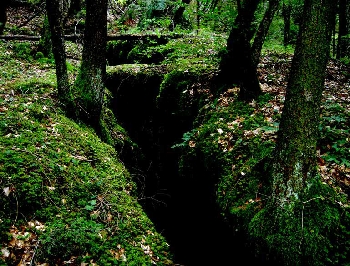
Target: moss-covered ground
(68,198)
(65,195)
(234,142)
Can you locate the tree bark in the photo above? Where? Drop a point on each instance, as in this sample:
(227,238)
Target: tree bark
(286,12)
(55,18)
(45,43)
(263,30)
(3,15)
(294,164)
(89,85)
(178,15)
(343,48)
(237,66)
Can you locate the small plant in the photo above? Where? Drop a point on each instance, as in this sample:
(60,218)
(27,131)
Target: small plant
(345,60)
(22,50)
(187,136)
(63,239)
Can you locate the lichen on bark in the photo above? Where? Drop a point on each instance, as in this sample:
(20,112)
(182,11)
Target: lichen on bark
(295,154)
(89,85)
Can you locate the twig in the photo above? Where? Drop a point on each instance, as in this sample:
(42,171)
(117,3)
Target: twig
(16,209)
(75,27)
(302,228)
(36,247)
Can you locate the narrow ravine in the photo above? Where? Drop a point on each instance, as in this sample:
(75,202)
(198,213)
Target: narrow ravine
(183,208)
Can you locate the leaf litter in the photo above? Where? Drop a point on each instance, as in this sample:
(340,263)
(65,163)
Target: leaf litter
(273,73)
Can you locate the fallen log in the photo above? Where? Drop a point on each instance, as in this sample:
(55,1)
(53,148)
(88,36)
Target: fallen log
(111,37)
(20,37)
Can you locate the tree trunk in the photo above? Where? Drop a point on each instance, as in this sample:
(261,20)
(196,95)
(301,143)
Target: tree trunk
(45,44)
(343,48)
(286,12)
(89,85)
(263,30)
(237,66)
(74,8)
(178,15)
(294,162)
(292,225)
(55,17)
(3,15)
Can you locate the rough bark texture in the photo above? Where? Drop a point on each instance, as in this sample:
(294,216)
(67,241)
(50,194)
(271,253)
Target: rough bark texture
(263,30)
(286,12)
(55,17)
(344,29)
(295,154)
(89,86)
(238,66)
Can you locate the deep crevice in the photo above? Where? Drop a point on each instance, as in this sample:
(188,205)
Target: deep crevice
(183,208)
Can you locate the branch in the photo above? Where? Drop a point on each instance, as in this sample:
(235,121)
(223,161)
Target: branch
(38,12)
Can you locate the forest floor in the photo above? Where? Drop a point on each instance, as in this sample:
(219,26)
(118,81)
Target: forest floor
(334,145)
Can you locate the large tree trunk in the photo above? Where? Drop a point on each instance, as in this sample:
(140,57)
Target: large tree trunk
(238,66)
(295,226)
(89,85)
(295,154)
(263,30)
(55,17)
(343,48)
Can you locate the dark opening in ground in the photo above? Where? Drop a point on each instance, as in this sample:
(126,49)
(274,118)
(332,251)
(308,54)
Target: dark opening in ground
(183,208)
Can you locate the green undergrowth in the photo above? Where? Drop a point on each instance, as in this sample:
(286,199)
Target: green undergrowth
(177,52)
(66,197)
(201,49)
(11,69)
(228,138)
(335,133)
(232,144)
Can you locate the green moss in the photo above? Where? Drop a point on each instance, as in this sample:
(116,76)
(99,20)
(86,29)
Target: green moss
(305,232)
(116,136)
(45,45)
(117,52)
(23,50)
(230,145)
(183,91)
(60,174)
(87,93)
